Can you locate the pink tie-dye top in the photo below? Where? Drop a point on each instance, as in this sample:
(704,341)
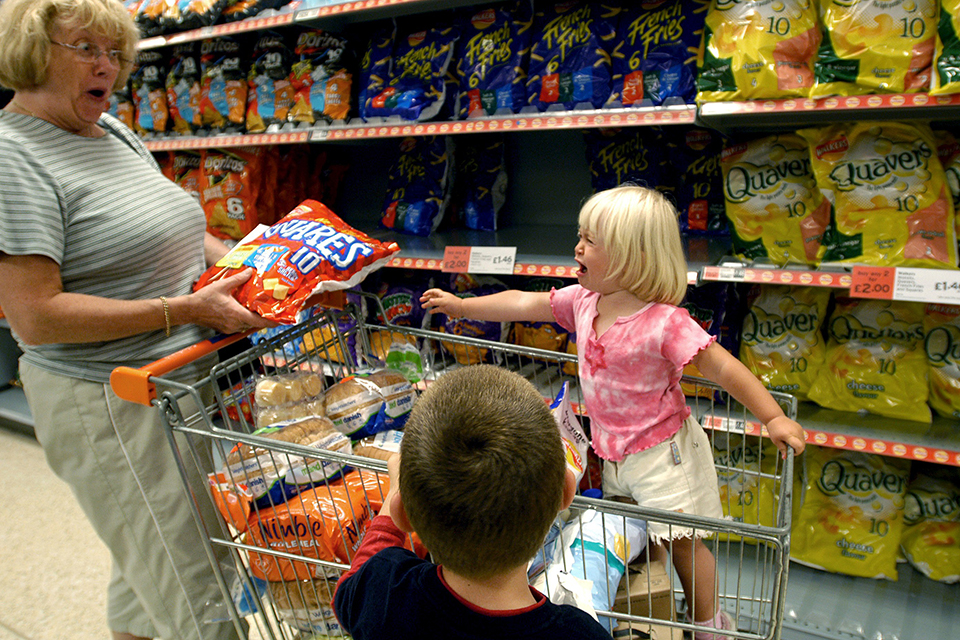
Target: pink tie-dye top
(630,377)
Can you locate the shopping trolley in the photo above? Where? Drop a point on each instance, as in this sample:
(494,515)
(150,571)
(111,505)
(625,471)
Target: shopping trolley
(283,562)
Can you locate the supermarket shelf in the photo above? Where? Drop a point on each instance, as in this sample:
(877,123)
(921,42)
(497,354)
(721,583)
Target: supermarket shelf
(544,250)
(755,115)
(396,128)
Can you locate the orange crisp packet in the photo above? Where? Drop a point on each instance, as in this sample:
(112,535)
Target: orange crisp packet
(307,252)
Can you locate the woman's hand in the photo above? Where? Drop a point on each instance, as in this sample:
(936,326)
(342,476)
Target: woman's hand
(215,307)
(439,301)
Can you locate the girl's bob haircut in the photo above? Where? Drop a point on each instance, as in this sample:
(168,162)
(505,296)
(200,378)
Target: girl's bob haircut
(26,27)
(639,230)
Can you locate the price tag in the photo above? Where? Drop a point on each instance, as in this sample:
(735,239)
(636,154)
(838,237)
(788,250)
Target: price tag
(928,285)
(493,260)
(456,259)
(873,282)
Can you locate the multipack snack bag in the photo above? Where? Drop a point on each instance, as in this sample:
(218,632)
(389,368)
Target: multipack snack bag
(758,49)
(183,89)
(321,78)
(874,46)
(781,341)
(148,88)
(230,190)
(695,152)
(891,202)
(772,202)
(931,526)
(570,57)
(310,251)
(223,85)
(875,361)
(419,185)
(852,514)
(493,52)
(746,477)
(946,68)
(616,156)
(655,58)
(941,344)
(270,93)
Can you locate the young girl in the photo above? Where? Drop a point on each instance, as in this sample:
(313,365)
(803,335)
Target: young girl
(633,343)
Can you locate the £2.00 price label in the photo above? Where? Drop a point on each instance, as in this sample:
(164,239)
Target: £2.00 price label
(873,282)
(456,259)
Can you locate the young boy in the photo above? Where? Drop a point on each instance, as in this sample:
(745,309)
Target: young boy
(482,476)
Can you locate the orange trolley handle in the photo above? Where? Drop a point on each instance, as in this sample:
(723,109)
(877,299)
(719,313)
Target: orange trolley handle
(134,385)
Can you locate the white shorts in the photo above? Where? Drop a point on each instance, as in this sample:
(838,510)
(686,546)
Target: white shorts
(676,475)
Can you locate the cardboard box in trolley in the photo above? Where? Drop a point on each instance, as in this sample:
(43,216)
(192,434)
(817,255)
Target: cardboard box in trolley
(645,631)
(650,591)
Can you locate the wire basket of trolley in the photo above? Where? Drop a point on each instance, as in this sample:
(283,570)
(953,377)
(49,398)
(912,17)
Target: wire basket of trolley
(293,433)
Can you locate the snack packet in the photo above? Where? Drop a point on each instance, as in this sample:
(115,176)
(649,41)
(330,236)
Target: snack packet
(321,78)
(946,57)
(758,49)
(308,252)
(852,513)
(941,325)
(269,93)
(874,361)
(872,46)
(931,526)
(183,89)
(147,86)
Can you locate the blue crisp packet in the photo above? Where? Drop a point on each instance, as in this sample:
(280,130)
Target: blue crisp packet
(418,186)
(655,59)
(616,156)
(493,54)
(570,59)
(417,87)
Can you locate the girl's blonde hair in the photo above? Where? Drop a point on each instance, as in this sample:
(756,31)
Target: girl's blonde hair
(26,25)
(639,230)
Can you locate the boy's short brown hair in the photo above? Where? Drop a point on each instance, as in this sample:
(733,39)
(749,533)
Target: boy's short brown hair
(481,470)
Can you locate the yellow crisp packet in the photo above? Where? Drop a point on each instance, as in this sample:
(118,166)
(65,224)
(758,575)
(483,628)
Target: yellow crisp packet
(852,513)
(781,342)
(892,206)
(772,202)
(942,347)
(875,46)
(946,70)
(758,49)
(931,527)
(746,467)
(875,361)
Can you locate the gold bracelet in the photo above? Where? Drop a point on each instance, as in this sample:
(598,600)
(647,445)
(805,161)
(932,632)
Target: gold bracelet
(166,313)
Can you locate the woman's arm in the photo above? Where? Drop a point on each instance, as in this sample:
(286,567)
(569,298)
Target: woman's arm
(213,249)
(718,365)
(503,306)
(40,312)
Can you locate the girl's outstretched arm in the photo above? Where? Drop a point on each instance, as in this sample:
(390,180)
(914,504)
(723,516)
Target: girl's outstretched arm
(718,365)
(504,306)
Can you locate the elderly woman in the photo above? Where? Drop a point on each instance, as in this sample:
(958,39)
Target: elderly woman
(98,254)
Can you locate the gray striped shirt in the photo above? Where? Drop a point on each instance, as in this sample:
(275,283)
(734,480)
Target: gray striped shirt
(118,228)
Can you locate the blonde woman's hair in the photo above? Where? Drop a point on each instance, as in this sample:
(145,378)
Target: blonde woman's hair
(26,26)
(481,470)
(639,230)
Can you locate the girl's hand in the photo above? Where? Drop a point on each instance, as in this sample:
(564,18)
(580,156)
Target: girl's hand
(439,301)
(786,432)
(215,307)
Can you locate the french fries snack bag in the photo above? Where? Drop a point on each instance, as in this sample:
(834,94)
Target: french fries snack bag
(852,513)
(570,56)
(874,46)
(931,527)
(773,206)
(781,341)
(309,251)
(746,466)
(946,57)
(758,49)
(891,202)
(655,58)
(875,361)
(941,344)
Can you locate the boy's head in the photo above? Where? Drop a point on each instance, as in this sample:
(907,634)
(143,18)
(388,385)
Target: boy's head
(638,229)
(481,470)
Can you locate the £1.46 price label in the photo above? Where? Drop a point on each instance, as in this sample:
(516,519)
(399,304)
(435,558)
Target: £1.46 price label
(492,260)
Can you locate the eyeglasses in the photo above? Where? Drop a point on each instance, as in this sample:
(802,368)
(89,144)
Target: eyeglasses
(89,52)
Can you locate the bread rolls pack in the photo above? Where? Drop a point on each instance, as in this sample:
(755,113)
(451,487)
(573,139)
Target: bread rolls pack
(288,397)
(271,477)
(369,402)
(306,605)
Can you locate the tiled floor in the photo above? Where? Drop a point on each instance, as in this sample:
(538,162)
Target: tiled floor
(53,568)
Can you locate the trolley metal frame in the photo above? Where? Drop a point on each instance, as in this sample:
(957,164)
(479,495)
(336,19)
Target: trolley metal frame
(752,555)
